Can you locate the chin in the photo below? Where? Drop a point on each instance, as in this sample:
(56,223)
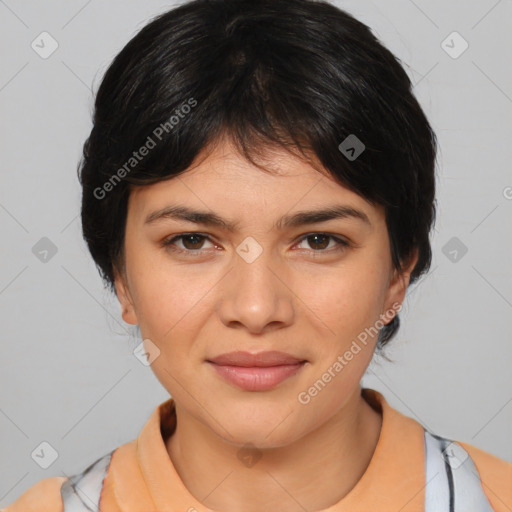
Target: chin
(247,438)
(261,427)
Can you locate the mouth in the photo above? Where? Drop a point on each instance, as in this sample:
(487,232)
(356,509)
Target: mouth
(256,372)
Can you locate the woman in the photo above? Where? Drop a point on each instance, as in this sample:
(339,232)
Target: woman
(258,191)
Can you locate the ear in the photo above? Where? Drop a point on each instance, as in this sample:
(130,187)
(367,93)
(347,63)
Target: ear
(125,298)
(398,284)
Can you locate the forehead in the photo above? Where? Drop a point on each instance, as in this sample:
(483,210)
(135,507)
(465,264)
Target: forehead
(221,179)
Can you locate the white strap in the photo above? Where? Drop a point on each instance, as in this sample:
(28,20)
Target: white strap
(82,492)
(452,480)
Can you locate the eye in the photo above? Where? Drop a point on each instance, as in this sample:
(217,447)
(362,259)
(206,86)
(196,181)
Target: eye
(191,242)
(320,242)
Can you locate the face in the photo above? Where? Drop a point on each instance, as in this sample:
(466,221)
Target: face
(253,276)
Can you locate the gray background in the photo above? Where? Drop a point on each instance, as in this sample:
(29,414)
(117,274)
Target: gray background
(67,372)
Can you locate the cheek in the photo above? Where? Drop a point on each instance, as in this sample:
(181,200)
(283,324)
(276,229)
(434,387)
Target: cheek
(168,301)
(345,302)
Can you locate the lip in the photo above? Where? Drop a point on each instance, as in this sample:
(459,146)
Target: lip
(256,372)
(269,358)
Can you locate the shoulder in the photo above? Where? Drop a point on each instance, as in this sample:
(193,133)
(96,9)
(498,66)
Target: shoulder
(51,494)
(43,496)
(496,476)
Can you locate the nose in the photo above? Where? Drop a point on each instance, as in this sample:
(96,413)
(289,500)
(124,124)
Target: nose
(256,296)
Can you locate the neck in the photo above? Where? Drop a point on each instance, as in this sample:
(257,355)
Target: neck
(312,473)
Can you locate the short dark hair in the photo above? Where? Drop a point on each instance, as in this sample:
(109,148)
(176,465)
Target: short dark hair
(299,74)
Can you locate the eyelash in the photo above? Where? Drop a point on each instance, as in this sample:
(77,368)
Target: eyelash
(168,243)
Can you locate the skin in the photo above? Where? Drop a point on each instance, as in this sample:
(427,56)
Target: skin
(310,299)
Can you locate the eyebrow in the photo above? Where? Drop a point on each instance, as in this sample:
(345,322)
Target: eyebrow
(287,221)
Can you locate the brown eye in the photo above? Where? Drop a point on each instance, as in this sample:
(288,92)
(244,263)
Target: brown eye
(192,242)
(318,241)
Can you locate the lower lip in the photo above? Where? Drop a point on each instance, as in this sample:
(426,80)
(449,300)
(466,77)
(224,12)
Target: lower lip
(257,378)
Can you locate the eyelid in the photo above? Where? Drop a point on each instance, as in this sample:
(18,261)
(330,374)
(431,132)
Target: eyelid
(168,241)
(340,241)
